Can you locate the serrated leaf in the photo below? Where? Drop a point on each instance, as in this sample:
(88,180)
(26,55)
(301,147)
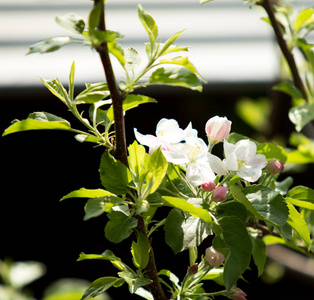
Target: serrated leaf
(140,251)
(97,206)
(183,231)
(93,93)
(71,22)
(39,121)
(188,207)
(99,286)
(272,151)
(297,222)
(87,193)
(131,101)
(301,196)
(235,244)
(181,61)
(177,76)
(134,281)
(148,23)
(49,45)
(301,115)
(119,226)
(113,174)
(259,254)
(57,89)
(263,202)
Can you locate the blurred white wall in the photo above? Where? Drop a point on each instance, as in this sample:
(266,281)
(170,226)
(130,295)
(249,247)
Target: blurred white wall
(228,41)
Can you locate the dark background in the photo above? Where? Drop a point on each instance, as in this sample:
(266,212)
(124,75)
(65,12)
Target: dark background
(38,168)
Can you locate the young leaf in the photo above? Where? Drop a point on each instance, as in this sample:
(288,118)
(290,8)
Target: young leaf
(301,115)
(119,226)
(177,76)
(289,89)
(148,23)
(93,93)
(131,101)
(113,174)
(140,251)
(136,158)
(71,22)
(99,286)
(297,222)
(272,151)
(97,206)
(49,45)
(57,89)
(39,121)
(134,280)
(183,62)
(188,207)
(167,47)
(302,18)
(71,81)
(183,231)
(235,244)
(132,59)
(301,196)
(87,193)
(157,168)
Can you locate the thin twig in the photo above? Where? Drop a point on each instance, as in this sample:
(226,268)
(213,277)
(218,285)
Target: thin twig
(268,6)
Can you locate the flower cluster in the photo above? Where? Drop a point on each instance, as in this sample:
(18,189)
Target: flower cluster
(183,147)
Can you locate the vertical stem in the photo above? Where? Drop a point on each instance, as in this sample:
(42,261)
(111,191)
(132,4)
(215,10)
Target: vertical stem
(121,150)
(268,6)
(116,97)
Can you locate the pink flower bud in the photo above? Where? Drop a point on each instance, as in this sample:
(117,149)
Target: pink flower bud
(217,129)
(193,269)
(220,193)
(213,257)
(237,294)
(208,186)
(274,166)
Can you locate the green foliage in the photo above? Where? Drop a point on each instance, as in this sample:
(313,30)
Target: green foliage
(140,251)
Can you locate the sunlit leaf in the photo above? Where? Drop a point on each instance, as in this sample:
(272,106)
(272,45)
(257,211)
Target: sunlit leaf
(301,115)
(86,193)
(49,45)
(71,22)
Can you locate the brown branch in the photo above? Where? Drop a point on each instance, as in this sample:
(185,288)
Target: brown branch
(116,96)
(268,6)
(121,150)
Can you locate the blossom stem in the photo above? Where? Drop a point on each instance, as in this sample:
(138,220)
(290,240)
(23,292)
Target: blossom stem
(187,184)
(175,188)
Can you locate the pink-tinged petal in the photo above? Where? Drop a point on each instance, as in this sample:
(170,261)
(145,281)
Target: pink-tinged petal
(213,257)
(217,129)
(220,193)
(197,173)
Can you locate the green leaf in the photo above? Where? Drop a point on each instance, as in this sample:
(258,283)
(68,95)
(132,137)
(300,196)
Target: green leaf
(167,47)
(39,121)
(235,244)
(132,60)
(49,45)
(263,202)
(231,208)
(148,23)
(157,168)
(188,207)
(115,49)
(113,174)
(259,254)
(272,151)
(134,281)
(301,196)
(57,89)
(106,255)
(93,93)
(87,193)
(97,206)
(131,101)
(94,17)
(205,1)
(289,89)
(177,76)
(119,226)
(137,154)
(140,251)
(183,62)
(183,231)
(99,286)
(302,18)
(234,137)
(71,81)
(297,222)
(71,22)
(301,115)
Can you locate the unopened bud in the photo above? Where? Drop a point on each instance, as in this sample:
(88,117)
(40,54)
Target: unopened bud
(274,166)
(217,129)
(213,257)
(220,193)
(237,294)
(208,186)
(142,207)
(193,269)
